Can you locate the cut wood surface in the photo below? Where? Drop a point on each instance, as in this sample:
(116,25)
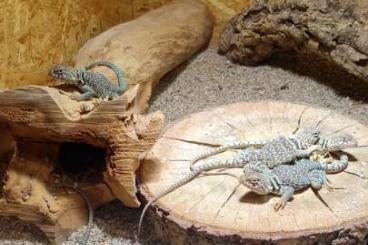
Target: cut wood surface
(207,211)
(335,30)
(151,45)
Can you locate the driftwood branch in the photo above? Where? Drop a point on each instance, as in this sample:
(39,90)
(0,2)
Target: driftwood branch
(151,45)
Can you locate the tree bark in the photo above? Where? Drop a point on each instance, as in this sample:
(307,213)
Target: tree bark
(334,30)
(211,210)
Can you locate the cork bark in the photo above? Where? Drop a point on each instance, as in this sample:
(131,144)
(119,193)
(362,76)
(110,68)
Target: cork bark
(334,30)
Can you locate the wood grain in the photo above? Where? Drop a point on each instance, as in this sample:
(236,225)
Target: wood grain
(206,210)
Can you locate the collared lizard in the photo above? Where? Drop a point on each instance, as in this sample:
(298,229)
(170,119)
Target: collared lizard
(89,82)
(283,150)
(285,179)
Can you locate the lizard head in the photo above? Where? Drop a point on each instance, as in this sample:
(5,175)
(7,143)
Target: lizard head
(308,137)
(256,177)
(338,142)
(64,72)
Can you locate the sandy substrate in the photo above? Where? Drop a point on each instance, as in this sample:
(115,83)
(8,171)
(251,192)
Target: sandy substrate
(210,80)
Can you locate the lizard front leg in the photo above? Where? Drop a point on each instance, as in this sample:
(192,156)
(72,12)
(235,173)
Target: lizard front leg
(317,180)
(234,145)
(287,193)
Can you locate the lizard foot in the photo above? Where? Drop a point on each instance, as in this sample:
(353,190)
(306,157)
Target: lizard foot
(85,108)
(279,205)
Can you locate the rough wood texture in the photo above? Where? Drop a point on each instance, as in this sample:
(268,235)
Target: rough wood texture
(205,211)
(335,30)
(43,122)
(151,45)
(42,125)
(36,34)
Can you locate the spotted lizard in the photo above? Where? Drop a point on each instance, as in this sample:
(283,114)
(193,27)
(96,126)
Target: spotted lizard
(282,149)
(92,84)
(285,179)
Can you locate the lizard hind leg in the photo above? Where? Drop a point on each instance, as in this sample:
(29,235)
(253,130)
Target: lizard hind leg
(82,97)
(87,93)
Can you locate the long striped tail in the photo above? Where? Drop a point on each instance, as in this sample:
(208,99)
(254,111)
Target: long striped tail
(210,165)
(84,196)
(336,166)
(118,72)
(233,145)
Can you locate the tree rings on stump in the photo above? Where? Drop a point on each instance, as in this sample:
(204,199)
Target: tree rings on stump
(213,210)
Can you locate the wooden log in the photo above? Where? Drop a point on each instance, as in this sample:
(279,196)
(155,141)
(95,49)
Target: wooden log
(163,38)
(94,143)
(211,210)
(98,151)
(334,30)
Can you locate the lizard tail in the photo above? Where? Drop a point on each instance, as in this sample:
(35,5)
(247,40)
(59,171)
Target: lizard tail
(181,182)
(220,163)
(119,72)
(337,166)
(87,233)
(234,145)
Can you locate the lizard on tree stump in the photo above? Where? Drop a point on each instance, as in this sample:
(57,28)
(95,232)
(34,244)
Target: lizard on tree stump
(334,30)
(98,143)
(208,209)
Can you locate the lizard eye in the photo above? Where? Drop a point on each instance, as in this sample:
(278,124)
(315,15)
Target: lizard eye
(253,182)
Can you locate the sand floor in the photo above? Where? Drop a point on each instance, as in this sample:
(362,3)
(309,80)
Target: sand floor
(206,81)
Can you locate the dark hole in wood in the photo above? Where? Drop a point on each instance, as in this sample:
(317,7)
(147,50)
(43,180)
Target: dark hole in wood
(81,162)
(7,144)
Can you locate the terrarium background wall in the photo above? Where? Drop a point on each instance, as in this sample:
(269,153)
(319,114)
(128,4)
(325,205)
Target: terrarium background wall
(222,11)
(36,34)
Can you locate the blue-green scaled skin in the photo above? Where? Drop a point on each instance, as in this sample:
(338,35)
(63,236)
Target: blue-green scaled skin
(285,179)
(92,84)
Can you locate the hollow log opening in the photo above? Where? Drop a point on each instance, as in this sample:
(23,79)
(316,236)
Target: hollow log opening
(7,144)
(81,162)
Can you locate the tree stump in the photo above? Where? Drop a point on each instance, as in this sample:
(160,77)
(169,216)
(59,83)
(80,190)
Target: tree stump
(49,139)
(334,30)
(211,210)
